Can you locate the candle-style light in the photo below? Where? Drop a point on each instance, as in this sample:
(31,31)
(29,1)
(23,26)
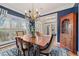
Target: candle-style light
(32,14)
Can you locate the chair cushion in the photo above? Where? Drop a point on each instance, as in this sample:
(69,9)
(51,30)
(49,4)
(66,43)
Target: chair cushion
(25,45)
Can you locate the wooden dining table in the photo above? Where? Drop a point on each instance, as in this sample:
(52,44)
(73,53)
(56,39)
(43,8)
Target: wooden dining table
(38,40)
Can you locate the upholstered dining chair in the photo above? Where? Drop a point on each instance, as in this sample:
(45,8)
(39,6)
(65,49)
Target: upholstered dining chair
(20,33)
(38,33)
(48,48)
(21,45)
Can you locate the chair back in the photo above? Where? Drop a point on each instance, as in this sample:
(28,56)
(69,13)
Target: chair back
(50,45)
(19,42)
(38,33)
(20,33)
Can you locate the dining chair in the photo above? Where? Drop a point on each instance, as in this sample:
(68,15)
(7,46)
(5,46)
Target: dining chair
(21,45)
(48,48)
(38,33)
(20,33)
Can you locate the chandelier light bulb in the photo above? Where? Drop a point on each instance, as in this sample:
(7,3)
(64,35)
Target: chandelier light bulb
(33,14)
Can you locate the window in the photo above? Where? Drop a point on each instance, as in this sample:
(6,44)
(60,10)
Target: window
(65,26)
(53,28)
(48,29)
(9,25)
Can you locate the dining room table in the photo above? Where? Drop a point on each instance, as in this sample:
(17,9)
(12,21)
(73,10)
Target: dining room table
(36,41)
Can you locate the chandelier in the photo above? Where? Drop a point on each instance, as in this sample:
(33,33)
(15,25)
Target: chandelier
(32,14)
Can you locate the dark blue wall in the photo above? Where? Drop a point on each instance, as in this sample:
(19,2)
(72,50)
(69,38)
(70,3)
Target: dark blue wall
(63,13)
(12,12)
(78,27)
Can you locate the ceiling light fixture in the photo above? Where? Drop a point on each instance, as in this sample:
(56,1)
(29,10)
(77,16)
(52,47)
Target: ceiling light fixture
(32,14)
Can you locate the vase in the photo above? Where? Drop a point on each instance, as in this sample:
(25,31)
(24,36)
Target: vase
(32,28)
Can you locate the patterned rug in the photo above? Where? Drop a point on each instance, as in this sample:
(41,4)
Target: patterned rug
(55,52)
(59,52)
(9,52)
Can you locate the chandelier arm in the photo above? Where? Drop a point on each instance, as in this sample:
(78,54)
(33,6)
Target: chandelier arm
(32,14)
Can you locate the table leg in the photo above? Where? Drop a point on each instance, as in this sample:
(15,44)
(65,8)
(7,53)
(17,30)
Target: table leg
(34,51)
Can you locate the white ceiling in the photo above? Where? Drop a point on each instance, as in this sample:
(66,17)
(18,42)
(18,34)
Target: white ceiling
(43,8)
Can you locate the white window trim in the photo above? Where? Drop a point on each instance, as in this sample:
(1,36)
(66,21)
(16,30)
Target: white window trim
(6,43)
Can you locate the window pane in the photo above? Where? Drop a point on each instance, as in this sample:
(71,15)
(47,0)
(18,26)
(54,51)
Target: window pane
(65,26)
(9,25)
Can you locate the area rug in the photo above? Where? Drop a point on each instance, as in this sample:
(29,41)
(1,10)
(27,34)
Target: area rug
(59,52)
(9,52)
(55,52)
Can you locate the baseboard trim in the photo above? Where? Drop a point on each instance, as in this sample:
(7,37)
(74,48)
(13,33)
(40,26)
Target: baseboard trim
(58,44)
(78,53)
(7,44)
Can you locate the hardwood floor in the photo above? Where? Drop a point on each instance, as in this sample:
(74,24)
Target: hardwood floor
(72,54)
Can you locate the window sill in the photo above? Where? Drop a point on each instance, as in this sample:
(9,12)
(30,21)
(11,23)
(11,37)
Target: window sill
(7,43)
